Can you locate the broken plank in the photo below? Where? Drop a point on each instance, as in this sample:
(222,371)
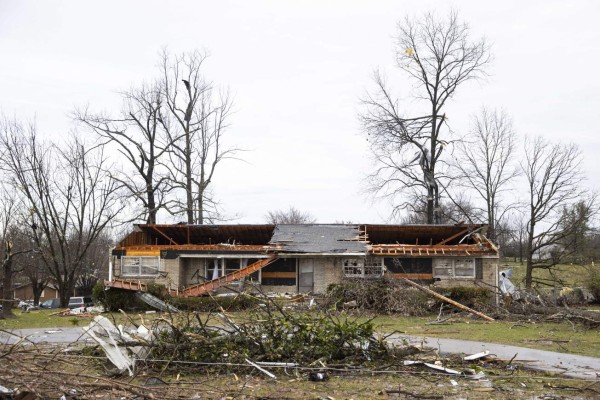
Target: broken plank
(446,299)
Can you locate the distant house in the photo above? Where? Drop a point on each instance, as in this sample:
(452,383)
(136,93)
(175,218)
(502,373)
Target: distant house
(24,291)
(194,259)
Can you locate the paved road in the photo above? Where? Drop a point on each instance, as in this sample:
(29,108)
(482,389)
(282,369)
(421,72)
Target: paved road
(570,365)
(566,364)
(45,335)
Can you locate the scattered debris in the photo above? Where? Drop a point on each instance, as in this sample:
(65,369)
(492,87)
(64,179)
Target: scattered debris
(318,376)
(5,390)
(432,366)
(155,302)
(476,355)
(264,371)
(117,344)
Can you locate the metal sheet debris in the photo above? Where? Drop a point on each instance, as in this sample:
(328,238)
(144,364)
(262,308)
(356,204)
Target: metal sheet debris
(114,339)
(476,355)
(155,302)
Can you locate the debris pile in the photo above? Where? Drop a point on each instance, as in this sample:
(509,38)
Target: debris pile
(382,296)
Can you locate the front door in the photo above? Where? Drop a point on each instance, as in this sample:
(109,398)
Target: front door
(305,275)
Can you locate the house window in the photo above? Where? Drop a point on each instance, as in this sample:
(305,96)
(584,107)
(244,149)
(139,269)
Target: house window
(369,268)
(454,268)
(353,268)
(140,266)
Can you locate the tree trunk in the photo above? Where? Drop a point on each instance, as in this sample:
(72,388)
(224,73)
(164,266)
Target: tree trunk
(430,205)
(151,204)
(529,255)
(188,181)
(7,292)
(66,291)
(37,288)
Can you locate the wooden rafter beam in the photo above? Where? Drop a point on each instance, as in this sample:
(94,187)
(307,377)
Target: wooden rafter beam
(164,235)
(463,232)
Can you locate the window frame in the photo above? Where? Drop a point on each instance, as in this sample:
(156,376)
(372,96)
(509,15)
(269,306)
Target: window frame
(452,265)
(141,265)
(368,268)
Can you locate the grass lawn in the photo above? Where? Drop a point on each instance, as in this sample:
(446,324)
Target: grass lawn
(560,337)
(45,319)
(571,274)
(39,319)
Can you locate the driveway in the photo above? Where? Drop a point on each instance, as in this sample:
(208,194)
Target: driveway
(570,365)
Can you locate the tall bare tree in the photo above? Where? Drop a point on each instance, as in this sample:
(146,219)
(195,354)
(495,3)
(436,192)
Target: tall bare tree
(197,121)
(438,56)
(31,269)
(13,247)
(139,136)
(485,164)
(291,216)
(553,175)
(70,194)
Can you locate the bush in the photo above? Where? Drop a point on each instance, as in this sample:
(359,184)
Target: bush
(470,296)
(214,304)
(593,283)
(271,333)
(117,299)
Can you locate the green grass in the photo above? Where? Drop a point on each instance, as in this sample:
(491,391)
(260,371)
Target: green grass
(44,319)
(559,337)
(571,275)
(37,319)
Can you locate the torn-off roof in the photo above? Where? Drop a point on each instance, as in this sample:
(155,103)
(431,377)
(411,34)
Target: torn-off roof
(318,238)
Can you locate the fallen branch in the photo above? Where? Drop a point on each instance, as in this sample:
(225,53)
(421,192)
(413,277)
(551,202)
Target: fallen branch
(444,298)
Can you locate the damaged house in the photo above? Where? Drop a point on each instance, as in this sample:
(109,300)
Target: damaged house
(192,260)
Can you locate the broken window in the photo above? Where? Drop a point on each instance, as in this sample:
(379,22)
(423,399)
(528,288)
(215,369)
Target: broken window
(454,267)
(140,266)
(369,268)
(353,268)
(408,265)
(281,272)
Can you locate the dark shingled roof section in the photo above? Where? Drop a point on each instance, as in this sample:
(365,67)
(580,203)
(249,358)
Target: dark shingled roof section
(318,238)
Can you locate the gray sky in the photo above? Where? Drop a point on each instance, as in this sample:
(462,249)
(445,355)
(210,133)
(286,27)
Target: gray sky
(297,70)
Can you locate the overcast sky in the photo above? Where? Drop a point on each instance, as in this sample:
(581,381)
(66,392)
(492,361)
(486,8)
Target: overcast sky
(297,70)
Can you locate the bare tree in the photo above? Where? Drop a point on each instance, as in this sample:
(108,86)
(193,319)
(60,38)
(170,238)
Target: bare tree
(291,216)
(438,57)
(95,265)
(70,194)
(32,269)
(511,235)
(197,120)
(484,163)
(553,176)
(11,247)
(576,227)
(456,210)
(139,135)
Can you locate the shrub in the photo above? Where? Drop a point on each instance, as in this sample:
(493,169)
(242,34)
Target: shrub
(214,304)
(593,283)
(470,296)
(117,299)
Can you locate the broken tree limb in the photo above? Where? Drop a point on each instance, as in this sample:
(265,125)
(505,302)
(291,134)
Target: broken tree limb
(444,298)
